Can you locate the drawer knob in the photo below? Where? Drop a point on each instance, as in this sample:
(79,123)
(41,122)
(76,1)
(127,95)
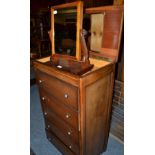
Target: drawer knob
(70,146)
(40,81)
(45,113)
(43,98)
(69,132)
(68,115)
(66,95)
(48,126)
(49,139)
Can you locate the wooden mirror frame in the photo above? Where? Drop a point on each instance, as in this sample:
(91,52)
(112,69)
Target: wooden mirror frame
(79,6)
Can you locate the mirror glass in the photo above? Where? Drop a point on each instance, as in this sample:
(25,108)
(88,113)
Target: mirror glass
(65,20)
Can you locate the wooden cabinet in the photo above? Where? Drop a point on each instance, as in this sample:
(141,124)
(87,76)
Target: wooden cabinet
(77,108)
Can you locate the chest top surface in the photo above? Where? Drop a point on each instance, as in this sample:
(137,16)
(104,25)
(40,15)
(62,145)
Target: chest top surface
(97,64)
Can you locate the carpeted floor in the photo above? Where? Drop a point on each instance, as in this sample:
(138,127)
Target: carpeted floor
(40,145)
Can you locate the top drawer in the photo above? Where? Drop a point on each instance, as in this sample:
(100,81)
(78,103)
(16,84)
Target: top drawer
(59,89)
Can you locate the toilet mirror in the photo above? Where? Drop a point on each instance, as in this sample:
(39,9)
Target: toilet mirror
(66,23)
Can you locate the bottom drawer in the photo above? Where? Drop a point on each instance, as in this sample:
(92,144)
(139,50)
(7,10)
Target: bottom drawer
(59,145)
(64,138)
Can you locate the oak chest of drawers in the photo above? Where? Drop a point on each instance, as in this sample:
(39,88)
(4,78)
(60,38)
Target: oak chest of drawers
(76,108)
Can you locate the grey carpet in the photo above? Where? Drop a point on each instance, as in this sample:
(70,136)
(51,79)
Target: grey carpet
(40,145)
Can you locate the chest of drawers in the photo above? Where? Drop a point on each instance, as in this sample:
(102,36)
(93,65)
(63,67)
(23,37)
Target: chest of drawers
(76,108)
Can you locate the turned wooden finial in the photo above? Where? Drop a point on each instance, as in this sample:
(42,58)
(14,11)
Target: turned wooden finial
(84,47)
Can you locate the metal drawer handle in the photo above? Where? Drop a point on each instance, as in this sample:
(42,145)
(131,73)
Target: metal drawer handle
(43,98)
(48,126)
(49,139)
(68,116)
(66,95)
(45,113)
(70,146)
(41,81)
(69,132)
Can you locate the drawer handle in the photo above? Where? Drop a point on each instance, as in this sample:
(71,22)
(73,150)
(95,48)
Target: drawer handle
(48,126)
(68,116)
(66,95)
(45,113)
(70,146)
(43,98)
(49,139)
(69,132)
(41,81)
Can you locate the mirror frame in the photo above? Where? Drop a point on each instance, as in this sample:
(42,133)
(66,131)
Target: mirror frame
(79,6)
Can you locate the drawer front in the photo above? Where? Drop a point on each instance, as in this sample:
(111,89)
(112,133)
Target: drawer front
(58,143)
(66,129)
(69,144)
(62,91)
(65,113)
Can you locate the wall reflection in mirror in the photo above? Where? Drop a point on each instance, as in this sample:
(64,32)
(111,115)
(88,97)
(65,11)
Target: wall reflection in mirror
(65,31)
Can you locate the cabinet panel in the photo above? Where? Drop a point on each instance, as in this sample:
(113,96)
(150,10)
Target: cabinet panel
(97,108)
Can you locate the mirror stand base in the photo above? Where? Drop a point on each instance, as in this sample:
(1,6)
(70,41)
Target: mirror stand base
(74,67)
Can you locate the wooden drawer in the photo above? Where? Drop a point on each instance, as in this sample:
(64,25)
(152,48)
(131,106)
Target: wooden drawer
(58,143)
(66,129)
(61,90)
(65,139)
(68,115)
